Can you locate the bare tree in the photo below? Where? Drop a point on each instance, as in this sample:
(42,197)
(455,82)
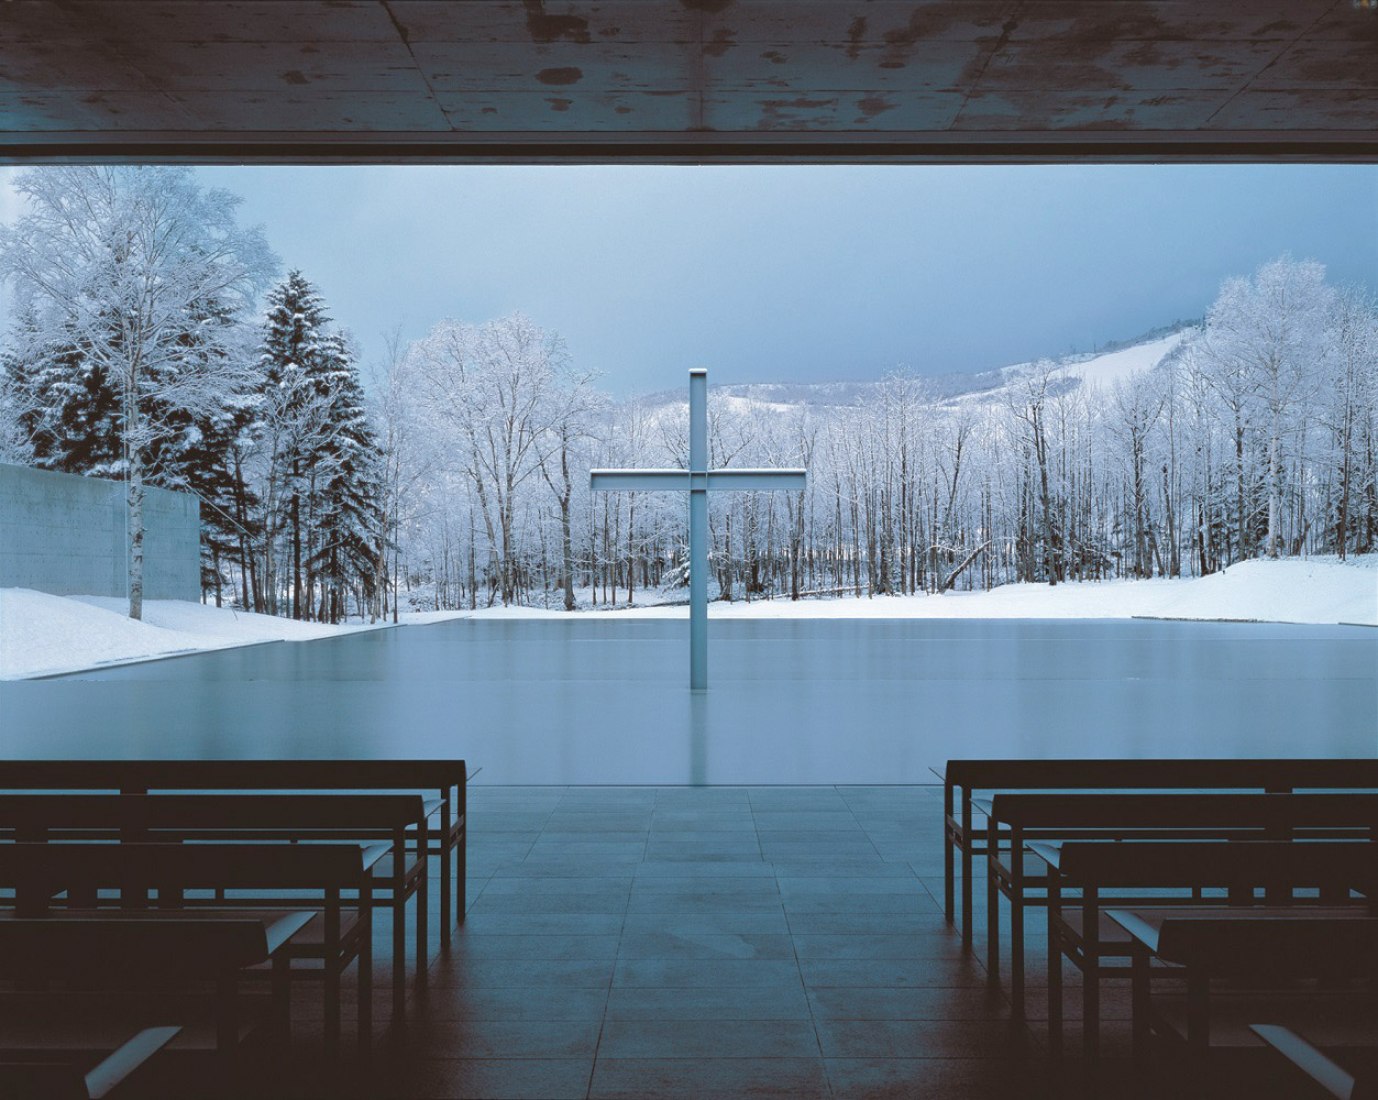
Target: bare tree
(1271,329)
(574,404)
(494,384)
(1138,403)
(1354,326)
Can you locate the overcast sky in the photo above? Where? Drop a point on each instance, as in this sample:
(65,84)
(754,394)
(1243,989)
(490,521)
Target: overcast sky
(800,273)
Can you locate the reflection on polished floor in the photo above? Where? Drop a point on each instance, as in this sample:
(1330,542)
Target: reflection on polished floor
(725,942)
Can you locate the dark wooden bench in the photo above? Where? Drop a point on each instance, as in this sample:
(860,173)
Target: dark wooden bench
(49,1078)
(964,836)
(399,821)
(1315,1065)
(1244,872)
(137,950)
(1017,819)
(442,783)
(137,876)
(1261,946)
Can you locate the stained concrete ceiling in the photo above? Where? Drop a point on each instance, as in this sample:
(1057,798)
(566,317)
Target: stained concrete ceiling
(794,80)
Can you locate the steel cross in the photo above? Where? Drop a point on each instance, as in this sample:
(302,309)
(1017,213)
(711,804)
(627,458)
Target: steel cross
(697,481)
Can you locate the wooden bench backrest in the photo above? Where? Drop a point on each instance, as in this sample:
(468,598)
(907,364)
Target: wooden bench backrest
(229,775)
(1254,774)
(1298,945)
(56,948)
(1187,811)
(37,871)
(1239,864)
(25,813)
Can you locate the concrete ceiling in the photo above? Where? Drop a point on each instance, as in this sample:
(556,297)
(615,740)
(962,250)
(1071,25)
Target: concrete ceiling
(755,80)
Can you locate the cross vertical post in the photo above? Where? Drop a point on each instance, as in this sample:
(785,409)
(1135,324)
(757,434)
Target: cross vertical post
(698,480)
(698,530)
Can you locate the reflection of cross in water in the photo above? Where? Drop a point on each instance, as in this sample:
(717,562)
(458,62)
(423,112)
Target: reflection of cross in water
(697,481)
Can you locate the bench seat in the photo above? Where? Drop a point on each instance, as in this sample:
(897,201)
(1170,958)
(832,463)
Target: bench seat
(382,870)
(106,928)
(1035,866)
(309,943)
(41,1024)
(65,1074)
(1338,1021)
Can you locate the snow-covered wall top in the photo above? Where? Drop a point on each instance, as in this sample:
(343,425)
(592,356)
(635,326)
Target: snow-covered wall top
(66,534)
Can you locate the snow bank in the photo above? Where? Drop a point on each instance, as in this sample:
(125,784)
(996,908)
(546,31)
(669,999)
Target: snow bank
(1309,591)
(239,627)
(41,635)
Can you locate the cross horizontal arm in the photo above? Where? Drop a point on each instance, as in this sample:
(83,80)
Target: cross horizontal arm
(767,480)
(660,481)
(654,481)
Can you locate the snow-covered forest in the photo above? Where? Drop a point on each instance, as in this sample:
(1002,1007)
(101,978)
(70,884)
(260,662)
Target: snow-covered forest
(156,341)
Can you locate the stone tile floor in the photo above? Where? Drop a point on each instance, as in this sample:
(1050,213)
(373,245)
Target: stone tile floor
(713,942)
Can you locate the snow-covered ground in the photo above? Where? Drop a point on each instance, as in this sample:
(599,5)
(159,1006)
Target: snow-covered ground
(1310,591)
(42,634)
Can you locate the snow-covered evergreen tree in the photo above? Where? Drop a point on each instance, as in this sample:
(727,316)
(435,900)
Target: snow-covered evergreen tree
(347,490)
(294,364)
(62,400)
(320,488)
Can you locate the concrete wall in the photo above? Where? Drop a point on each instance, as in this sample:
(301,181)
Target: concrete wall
(68,535)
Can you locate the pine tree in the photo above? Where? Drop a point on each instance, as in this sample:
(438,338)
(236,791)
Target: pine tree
(348,490)
(65,403)
(294,363)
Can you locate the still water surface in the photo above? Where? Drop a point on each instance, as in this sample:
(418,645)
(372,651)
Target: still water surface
(795,701)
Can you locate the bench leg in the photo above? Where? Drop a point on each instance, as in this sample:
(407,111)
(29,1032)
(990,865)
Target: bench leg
(227,1030)
(949,876)
(445,919)
(1090,1005)
(462,874)
(992,928)
(1140,991)
(399,956)
(365,963)
(282,1001)
(966,897)
(332,1007)
(1198,1029)
(423,922)
(1054,986)
(1017,951)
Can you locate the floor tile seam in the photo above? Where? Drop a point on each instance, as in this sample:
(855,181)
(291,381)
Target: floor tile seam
(851,811)
(597,1045)
(612,979)
(760,849)
(541,831)
(607,995)
(472,895)
(808,1001)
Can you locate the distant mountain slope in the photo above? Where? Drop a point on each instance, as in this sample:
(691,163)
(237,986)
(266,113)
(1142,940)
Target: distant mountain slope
(1119,366)
(1113,363)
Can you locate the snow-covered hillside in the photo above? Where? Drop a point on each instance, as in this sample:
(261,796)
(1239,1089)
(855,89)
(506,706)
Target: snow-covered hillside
(1101,370)
(1105,371)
